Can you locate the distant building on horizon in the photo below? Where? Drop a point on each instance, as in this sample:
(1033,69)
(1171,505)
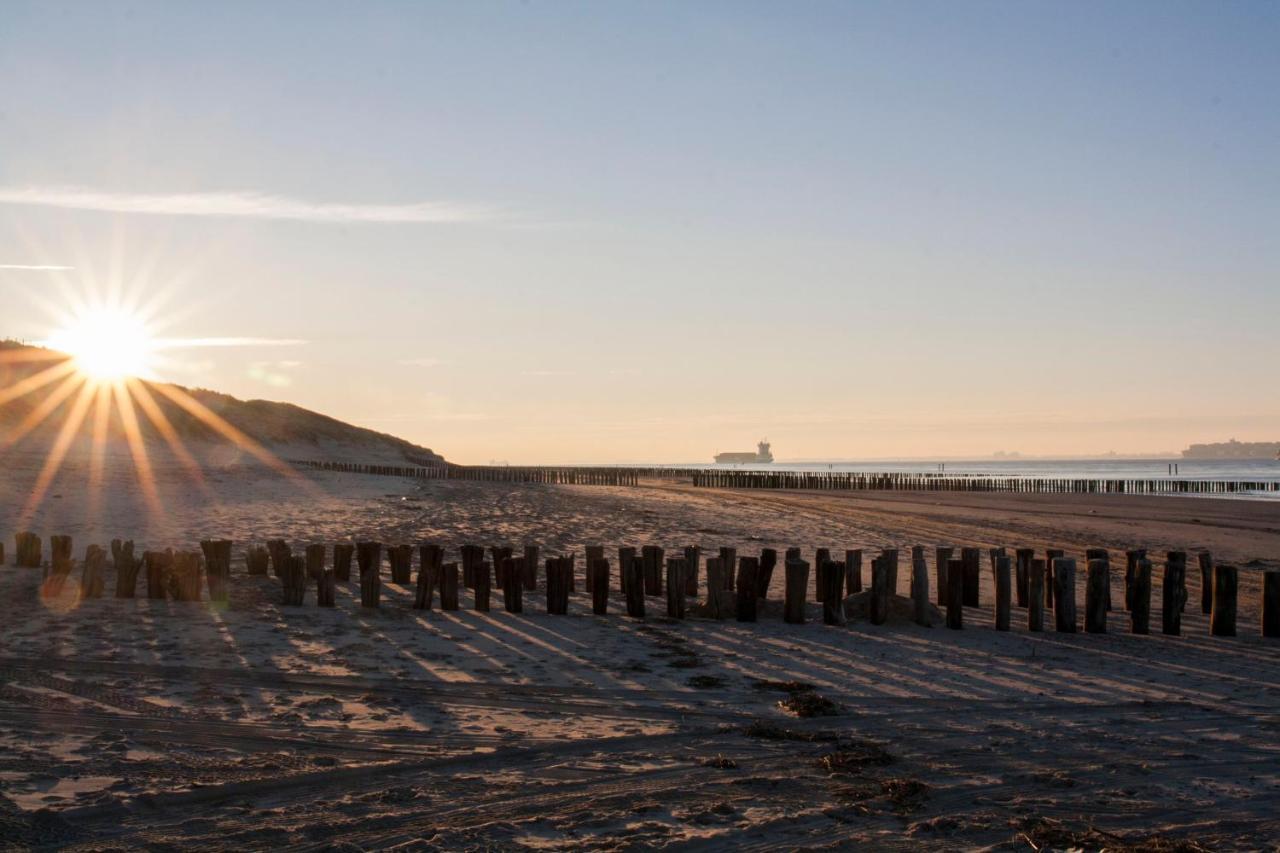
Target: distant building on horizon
(762,454)
(1234,450)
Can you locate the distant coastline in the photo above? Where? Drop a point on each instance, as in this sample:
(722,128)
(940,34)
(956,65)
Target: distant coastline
(1234,450)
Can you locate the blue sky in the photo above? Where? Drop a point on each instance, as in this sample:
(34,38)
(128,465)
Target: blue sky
(603,231)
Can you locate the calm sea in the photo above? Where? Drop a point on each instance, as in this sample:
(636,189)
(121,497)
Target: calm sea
(1119,469)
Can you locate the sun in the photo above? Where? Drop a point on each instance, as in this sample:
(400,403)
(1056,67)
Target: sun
(107,344)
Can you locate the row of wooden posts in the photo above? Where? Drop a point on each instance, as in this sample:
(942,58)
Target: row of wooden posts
(806,480)
(1036,583)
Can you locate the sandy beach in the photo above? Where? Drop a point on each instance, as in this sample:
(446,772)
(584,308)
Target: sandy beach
(129,723)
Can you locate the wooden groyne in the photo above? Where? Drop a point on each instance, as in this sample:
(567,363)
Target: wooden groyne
(802,480)
(733,587)
(895,482)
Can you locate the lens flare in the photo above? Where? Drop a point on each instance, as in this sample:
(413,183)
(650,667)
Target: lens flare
(107,344)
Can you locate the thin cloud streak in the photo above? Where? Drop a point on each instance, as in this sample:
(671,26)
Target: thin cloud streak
(183,343)
(245,204)
(36,267)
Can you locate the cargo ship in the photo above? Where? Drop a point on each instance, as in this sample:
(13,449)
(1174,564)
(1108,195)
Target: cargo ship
(762,454)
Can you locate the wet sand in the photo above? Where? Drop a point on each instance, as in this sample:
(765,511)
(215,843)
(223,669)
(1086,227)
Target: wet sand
(131,722)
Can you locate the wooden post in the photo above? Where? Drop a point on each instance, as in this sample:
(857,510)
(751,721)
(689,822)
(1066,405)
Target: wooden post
(831,581)
(430,558)
(293,580)
(651,559)
(942,558)
(728,559)
(955,594)
(1226,585)
(692,561)
(716,584)
(157,565)
(1050,590)
(92,580)
(920,589)
(1131,562)
(1174,594)
(853,571)
(1140,597)
(369,561)
(315,561)
(217,567)
(449,586)
(401,559)
(1022,568)
(1271,603)
(279,551)
(1207,583)
(1095,596)
(471,554)
(342,560)
(498,553)
(891,560)
(633,585)
(820,557)
(626,556)
(797,578)
(60,565)
(559,577)
(1035,595)
(126,566)
(748,576)
(599,569)
(675,587)
(512,575)
(1004,591)
(972,559)
(1104,555)
(529,568)
(28,550)
(483,578)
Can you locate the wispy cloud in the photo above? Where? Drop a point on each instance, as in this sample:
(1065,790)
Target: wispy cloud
(36,267)
(245,204)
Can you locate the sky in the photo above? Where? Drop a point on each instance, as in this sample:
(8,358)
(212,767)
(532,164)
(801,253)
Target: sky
(554,232)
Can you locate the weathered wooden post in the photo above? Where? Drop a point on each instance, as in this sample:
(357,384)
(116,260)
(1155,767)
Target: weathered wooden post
(471,555)
(820,557)
(27,550)
(891,561)
(483,578)
(1022,568)
(1207,583)
(972,560)
(852,570)
(955,593)
(748,576)
(126,566)
(728,559)
(1095,597)
(764,572)
(184,582)
(675,587)
(831,581)
(449,586)
(157,565)
(942,559)
(1035,595)
(1226,585)
(342,560)
(400,557)
(529,568)
(1174,594)
(1050,590)
(92,580)
(1271,603)
(369,561)
(326,584)
(559,576)
(1004,591)
(512,585)
(1131,562)
(715,585)
(430,558)
(60,565)
(1104,555)
(626,556)
(599,569)
(279,551)
(797,578)
(1140,597)
(315,561)
(293,580)
(651,559)
(217,568)
(920,589)
(692,565)
(878,600)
